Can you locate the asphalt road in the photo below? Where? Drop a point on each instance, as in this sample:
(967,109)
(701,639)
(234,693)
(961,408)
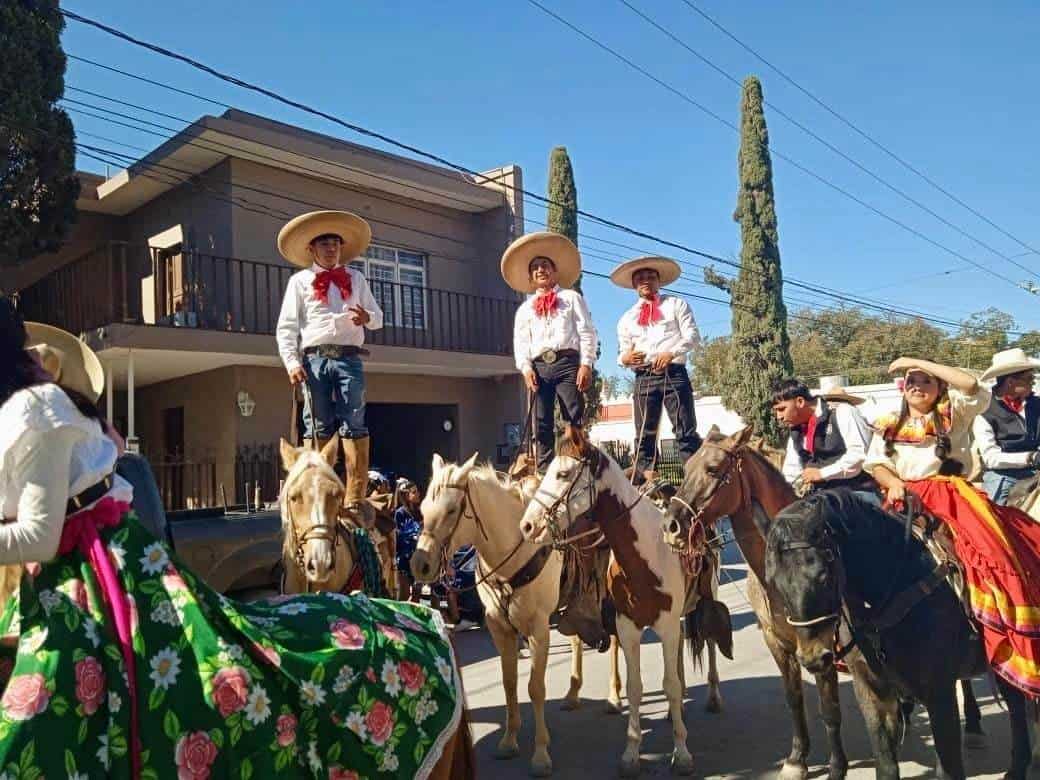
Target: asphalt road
(747,740)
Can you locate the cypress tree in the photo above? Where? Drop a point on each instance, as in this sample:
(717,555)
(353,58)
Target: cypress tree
(38,185)
(760,346)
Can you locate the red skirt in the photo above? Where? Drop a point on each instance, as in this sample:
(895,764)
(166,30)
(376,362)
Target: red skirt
(1000,549)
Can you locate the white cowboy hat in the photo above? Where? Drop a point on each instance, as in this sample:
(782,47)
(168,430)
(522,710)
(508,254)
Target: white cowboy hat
(831,390)
(68,359)
(666,268)
(295,238)
(516,260)
(1009,361)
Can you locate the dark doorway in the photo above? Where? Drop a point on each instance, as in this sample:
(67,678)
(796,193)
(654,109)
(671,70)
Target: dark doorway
(171,466)
(405,436)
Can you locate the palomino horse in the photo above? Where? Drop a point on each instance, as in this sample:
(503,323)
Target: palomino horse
(726,477)
(837,559)
(519,584)
(648,584)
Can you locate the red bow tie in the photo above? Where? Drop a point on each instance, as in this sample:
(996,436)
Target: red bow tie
(546,303)
(1013,403)
(338,276)
(649,311)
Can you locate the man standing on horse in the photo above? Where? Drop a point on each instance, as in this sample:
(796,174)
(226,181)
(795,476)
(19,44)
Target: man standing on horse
(655,337)
(321,333)
(554,340)
(828,438)
(1008,432)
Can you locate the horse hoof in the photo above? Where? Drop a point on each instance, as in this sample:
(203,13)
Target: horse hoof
(570,705)
(540,768)
(612,707)
(682,764)
(791,771)
(713,705)
(630,767)
(975,740)
(505,751)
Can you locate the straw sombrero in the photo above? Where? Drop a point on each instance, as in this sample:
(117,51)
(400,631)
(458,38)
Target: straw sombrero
(831,390)
(296,236)
(667,268)
(1009,361)
(68,359)
(558,248)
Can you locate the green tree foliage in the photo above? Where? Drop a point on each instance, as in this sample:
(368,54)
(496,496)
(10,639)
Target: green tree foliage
(760,354)
(38,186)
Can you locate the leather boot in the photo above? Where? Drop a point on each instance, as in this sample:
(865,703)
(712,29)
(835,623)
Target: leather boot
(355,455)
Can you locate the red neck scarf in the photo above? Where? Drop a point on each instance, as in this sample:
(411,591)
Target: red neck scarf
(1013,403)
(649,311)
(338,276)
(809,429)
(545,303)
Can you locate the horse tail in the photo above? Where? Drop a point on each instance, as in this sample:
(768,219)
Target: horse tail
(710,619)
(695,639)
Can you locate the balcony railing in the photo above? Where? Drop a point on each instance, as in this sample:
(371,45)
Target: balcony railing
(125,283)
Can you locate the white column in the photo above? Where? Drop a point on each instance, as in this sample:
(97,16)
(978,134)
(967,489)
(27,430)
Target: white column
(132,445)
(109,392)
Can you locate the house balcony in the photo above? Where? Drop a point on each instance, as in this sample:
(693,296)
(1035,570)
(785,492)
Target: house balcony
(190,293)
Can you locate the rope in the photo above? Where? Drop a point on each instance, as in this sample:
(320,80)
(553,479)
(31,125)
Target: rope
(368,561)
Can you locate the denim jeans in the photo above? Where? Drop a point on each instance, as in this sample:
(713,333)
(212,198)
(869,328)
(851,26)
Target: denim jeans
(337,387)
(672,392)
(998,484)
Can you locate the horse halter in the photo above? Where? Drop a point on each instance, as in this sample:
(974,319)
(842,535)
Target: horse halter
(551,510)
(830,554)
(316,533)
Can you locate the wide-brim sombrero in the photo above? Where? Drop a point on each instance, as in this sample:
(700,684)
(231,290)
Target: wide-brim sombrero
(1009,361)
(68,359)
(518,256)
(666,268)
(295,238)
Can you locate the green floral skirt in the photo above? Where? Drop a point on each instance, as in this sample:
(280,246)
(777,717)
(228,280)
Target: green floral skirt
(327,685)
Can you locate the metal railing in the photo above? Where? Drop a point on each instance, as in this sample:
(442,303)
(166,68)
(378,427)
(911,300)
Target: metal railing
(121,282)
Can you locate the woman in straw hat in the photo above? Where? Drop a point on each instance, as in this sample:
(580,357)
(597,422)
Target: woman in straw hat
(918,455)
(1008,432)
(554,340)
(128,666)
(655,338)
(321,332)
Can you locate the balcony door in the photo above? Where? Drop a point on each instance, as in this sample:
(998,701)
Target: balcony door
(398,281)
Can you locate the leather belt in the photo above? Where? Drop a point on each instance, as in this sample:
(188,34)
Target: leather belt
(336,351)
(550,356)
(88,496)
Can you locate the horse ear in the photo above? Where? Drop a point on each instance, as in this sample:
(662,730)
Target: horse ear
(743,436)
(330,452)
(466,467)
(289,454)
(438,462)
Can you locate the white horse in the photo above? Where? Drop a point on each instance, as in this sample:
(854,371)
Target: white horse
(519,585)
(584,488)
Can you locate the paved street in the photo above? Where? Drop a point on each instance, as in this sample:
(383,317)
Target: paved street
(746,741)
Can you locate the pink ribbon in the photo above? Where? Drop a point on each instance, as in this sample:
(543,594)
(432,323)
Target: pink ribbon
(81,532)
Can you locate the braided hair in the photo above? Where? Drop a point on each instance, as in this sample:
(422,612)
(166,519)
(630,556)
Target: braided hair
(943,446)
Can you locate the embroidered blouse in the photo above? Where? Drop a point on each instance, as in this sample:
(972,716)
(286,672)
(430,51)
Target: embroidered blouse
(914,456)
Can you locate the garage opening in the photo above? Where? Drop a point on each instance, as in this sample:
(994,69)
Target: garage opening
(405,436)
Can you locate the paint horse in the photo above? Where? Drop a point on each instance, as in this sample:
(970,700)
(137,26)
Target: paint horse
(318,552)
(518,583)
(583,491)
(839,561)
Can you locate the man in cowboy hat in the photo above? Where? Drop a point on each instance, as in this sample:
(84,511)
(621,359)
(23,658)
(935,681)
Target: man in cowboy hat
(321,332)
(828,437)
(1007,434)
(655,338)
(554,340)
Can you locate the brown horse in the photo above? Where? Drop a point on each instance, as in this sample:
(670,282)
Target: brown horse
(728,477)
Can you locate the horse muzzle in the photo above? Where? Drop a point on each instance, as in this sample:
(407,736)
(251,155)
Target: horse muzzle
(672,529)
(816,657)
(422,566)
(318,563)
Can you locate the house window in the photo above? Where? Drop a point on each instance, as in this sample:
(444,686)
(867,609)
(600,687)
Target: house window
(398,281)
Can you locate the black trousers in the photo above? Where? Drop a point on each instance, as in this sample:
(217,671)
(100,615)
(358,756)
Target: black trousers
(673,391)
(557,380)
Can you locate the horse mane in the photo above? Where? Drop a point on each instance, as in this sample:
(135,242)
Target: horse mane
(839,511)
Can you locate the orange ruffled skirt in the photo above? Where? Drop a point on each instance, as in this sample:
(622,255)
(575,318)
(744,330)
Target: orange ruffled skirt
(1000,549)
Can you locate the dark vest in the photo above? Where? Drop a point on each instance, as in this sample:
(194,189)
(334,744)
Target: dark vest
(829,446)
(1014,434)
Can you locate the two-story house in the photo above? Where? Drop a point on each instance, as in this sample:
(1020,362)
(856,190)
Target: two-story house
(173,276)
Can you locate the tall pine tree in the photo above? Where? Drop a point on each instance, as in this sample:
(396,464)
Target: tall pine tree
(760,353)
(38,185)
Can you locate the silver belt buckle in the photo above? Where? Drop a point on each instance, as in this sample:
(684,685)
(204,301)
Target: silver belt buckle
(548,356)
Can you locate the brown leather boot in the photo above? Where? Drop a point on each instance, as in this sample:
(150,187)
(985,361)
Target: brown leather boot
(355,455)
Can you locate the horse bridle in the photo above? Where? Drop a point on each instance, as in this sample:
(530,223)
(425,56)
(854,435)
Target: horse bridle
(318,533)
(551,510)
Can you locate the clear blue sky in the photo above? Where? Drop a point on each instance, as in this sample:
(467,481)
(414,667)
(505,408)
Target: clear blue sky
(949,86)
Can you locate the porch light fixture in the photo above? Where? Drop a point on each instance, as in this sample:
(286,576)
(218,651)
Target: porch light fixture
(448,425)
(246,404)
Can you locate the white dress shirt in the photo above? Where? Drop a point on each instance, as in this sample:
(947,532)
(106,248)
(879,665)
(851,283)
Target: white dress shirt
(856,433)
(992,456)
(675,332)
(569,327)
(49,452)
(307,322)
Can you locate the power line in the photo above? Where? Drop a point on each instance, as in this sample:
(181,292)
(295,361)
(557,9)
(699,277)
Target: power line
(862,133)
(454,166)
(814,135)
